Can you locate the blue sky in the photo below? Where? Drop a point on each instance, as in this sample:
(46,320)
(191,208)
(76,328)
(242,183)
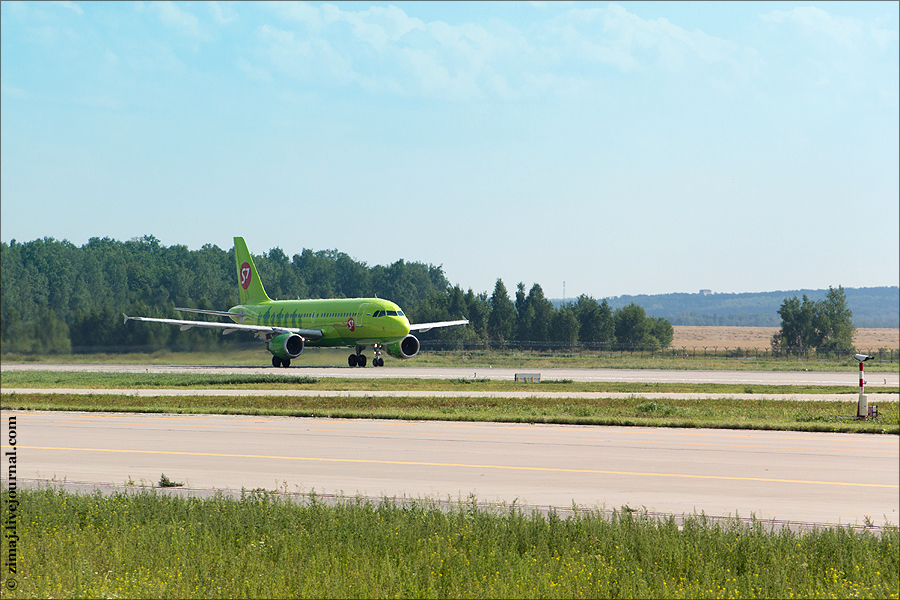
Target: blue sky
(621,148)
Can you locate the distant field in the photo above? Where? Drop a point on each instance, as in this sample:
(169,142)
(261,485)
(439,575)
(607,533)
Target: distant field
(760,337)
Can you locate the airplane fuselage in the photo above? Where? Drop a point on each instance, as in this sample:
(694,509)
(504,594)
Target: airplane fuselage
(343,322)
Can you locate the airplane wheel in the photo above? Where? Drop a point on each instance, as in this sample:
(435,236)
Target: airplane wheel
(286,363)
(276,362)
(351,360)
(378,362)
(361,360)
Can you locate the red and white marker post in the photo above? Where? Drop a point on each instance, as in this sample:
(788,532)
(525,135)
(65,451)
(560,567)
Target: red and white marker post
(862,407)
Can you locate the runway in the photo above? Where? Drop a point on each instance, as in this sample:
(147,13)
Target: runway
(849,378)
(787,476)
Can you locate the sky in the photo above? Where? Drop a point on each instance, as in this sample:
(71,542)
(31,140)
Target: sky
(592,148)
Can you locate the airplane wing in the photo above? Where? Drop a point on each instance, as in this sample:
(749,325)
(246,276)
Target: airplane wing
(423,327)
(258,330)
(218,313)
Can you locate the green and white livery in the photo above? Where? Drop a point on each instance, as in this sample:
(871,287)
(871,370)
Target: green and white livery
(289,326)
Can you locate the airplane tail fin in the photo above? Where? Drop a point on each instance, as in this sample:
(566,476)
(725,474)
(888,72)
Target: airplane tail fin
(250,286)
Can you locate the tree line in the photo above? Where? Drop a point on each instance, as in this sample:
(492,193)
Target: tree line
(56,297)
(824,325)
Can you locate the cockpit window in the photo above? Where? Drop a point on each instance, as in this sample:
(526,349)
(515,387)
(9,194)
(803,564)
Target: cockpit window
(400,313)
(392,313)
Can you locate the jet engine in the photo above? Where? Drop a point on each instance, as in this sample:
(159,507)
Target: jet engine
(405,348)
(286,345)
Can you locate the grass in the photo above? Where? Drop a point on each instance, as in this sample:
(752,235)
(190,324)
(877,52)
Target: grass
(626,360)
(165,482)
(759,413)
(149,545)
(254,355)
(63,379)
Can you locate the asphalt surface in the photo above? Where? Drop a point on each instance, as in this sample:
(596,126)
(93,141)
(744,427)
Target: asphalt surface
(749,378)
(850,377)
(786,476)
(782,476)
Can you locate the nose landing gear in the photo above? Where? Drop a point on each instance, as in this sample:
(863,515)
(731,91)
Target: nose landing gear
(378,361)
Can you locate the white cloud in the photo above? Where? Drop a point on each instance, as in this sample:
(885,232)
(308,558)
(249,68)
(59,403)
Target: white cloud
(305,57)
(435,80)
(297,11)
(219,15)
(848,32)
(838,56)
(813,20)
(172,16)
(616,37)
(15,92)
(385,49)
(69,5)
(253,72)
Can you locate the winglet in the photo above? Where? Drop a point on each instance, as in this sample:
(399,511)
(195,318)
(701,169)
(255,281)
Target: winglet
(126,318)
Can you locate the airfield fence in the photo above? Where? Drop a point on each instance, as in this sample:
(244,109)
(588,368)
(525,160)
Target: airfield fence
(683,352)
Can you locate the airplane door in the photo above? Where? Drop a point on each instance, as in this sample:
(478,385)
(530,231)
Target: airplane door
(360,314)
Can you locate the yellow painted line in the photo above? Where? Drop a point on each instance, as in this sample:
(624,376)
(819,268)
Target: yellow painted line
(459,465)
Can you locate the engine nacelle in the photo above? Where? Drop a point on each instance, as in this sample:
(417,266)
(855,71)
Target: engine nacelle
(405,348)
(287,345)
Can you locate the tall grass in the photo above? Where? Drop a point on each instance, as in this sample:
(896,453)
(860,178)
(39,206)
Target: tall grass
(153,545)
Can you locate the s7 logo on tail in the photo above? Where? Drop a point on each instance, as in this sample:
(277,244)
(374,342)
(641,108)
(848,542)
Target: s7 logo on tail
(245,275)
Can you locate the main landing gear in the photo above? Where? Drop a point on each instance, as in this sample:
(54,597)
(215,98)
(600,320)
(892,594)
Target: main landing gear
(279,362)
(359,359)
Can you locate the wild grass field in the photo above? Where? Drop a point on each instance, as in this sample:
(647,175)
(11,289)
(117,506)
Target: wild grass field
(150,545)
(760,337)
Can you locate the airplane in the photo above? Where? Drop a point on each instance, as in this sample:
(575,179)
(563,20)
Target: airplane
(289,326)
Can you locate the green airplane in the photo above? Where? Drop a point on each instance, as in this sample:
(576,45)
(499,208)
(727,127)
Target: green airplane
(288,326)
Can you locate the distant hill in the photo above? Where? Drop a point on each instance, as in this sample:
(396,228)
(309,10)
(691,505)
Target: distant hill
(871,307)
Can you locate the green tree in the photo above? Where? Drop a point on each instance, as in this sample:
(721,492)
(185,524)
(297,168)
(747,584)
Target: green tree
(661,329)
(836,323)
(595,321)
(542,313)
(791,333)
(826,325)
(564,326)
(502,320)
(631,325)
(478,310)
